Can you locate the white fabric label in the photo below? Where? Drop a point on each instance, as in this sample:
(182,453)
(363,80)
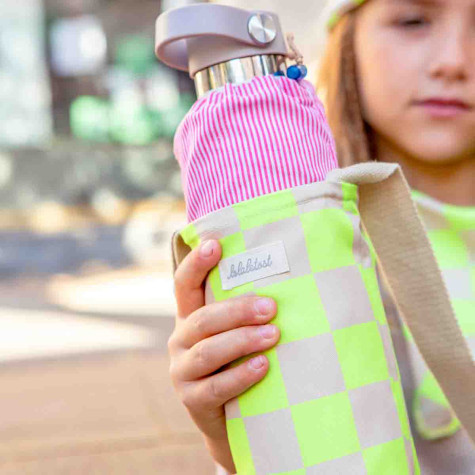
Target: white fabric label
(252,265)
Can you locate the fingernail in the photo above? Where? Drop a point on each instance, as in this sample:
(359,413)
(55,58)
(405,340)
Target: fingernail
(257,362)
(207,248)
(263,306)
(267,331)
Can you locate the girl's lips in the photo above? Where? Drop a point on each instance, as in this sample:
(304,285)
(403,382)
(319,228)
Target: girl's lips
(444,108)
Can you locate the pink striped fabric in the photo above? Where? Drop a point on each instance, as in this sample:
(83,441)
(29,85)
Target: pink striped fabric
(251,139)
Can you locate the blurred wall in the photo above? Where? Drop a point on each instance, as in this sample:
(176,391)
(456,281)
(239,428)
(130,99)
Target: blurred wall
(25,102)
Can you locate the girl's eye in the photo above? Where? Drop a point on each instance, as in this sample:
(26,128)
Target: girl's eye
(413,22)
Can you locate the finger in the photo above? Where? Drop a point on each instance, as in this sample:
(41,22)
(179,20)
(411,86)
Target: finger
(223,316)
(219,388)
(214,352)
(190,275)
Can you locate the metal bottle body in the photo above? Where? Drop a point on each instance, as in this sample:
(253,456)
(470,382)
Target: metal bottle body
(237,71)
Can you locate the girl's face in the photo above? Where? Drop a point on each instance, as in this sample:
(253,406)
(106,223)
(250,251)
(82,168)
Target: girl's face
(416,73)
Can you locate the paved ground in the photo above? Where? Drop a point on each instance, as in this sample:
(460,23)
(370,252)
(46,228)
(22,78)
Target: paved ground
(109,414)
(88,392)
(84,385)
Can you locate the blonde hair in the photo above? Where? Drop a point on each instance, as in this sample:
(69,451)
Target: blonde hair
(338,83)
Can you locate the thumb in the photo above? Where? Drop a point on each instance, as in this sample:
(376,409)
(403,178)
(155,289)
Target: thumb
(191,274)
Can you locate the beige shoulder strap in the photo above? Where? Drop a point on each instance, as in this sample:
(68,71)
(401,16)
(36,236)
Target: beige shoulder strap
(411,271)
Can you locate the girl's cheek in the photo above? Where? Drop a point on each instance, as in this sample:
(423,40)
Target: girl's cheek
(379,88)
(388,72)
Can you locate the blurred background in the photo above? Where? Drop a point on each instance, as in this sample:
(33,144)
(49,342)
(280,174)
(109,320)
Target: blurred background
(90,195)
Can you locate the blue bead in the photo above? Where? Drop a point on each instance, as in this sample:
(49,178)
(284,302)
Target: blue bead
(303,71)
(279,73)
(293,72)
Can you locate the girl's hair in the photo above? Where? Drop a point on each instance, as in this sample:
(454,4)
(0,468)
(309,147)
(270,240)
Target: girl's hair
(338,85)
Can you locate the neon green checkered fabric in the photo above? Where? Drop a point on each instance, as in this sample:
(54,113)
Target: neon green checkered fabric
(451,231)
(332,401)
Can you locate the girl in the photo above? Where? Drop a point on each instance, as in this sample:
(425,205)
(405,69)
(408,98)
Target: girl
(398,79)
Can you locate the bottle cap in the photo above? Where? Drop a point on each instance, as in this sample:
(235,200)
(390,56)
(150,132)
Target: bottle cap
(195,37)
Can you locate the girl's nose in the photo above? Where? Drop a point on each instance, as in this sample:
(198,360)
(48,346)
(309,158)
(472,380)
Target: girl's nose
(450,60)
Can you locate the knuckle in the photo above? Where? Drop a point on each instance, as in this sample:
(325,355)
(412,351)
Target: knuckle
(253,337)
(199,323)
(215,390)
(203,355)
(246,342)
(246,308)
(187,399)
(242,308)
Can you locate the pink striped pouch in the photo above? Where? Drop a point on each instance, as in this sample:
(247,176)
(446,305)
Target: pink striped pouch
(243,141)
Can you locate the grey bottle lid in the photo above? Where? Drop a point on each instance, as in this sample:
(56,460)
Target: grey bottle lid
(195,37)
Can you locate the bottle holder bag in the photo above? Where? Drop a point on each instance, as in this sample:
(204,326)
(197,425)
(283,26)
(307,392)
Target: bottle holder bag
(332,401)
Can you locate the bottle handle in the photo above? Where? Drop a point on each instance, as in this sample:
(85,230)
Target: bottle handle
(195,37)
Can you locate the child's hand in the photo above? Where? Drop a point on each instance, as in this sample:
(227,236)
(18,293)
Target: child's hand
(206,338)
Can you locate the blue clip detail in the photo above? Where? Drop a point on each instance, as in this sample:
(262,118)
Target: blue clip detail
(303,71)
(293,72)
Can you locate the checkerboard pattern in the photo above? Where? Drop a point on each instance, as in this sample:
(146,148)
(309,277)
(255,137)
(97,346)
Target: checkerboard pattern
(451,231)
(332,401)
